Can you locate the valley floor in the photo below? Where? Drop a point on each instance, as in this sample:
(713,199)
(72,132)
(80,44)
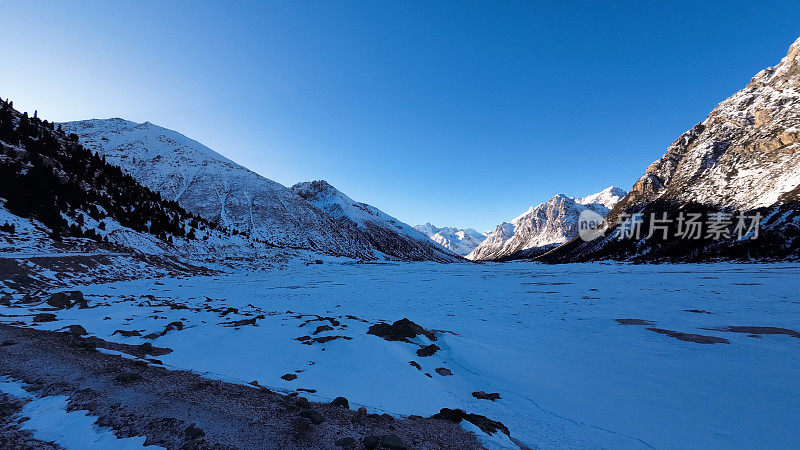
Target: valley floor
(545,338)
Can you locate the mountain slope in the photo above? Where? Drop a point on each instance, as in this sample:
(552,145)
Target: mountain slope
(744,158)
(384,233)
(544,225)
(212,186)
(461,241)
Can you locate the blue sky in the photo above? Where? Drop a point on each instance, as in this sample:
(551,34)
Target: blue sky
(459,113)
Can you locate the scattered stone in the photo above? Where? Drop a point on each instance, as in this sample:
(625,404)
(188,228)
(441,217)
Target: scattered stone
(428,350)
(444,371)
(192,432)
(313,416)
(480,395)
(698,311)
(689,337)
(341,402)
(44,317)
(346,442)
(415,364)
(392,442)
(6,300)
(67,299)
(486,425)
(128,377)
(402,330)
(75,330)
(324,339)
(289,377)
(323,328)
(124,333)
(757,330)
(370,442)
(634,322)
(173,326)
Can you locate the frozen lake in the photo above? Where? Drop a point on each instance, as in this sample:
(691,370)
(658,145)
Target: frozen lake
(543,337)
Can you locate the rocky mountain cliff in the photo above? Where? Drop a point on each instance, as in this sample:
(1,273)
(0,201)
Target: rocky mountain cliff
(744,158)
(461,241)
(383,232)
(544,226)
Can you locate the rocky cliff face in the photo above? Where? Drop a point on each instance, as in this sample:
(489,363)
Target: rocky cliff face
(544,225)
(743,158)
(461,241)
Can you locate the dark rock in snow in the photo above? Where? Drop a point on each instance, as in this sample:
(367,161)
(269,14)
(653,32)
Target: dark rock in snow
(486,425)
(125,333)
(428,350)
(44,317)
(757,330)
(75,330)
(67,299)
(415,364)
(689,337)
(6,300)
(634,322)
(480,395)
(289,377)
(402,330)
(443,371)
(322,328)
(342,402)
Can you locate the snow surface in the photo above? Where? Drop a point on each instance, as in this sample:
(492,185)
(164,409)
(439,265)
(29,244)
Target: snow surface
(50,422)
(543,337)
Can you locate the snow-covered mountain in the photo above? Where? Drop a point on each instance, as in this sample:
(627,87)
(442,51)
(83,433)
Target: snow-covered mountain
(214,187)
(744,157)
(461,241)
(544,225)
(384,233)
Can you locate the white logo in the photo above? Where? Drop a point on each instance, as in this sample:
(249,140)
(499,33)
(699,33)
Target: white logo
(590,225)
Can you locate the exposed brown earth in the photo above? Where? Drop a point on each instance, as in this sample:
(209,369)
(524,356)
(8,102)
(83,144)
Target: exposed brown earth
(179,409)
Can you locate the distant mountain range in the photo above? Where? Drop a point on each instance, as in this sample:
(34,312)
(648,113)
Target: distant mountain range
(543,226)
(461,241)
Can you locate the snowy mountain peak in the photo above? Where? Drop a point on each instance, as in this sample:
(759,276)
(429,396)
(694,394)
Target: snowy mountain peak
(460,241)
(544,225)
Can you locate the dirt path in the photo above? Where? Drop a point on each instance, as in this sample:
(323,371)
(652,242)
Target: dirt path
(178,409)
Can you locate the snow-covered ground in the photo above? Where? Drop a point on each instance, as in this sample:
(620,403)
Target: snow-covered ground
(49,421)
(543,337)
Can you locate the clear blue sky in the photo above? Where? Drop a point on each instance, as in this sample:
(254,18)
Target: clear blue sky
(458,113)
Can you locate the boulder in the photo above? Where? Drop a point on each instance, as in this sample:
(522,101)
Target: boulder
(346,442)
(44,317)
(402,330)
(391,442)
(428,350)
(341,402)
(313,416)
(67,299)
